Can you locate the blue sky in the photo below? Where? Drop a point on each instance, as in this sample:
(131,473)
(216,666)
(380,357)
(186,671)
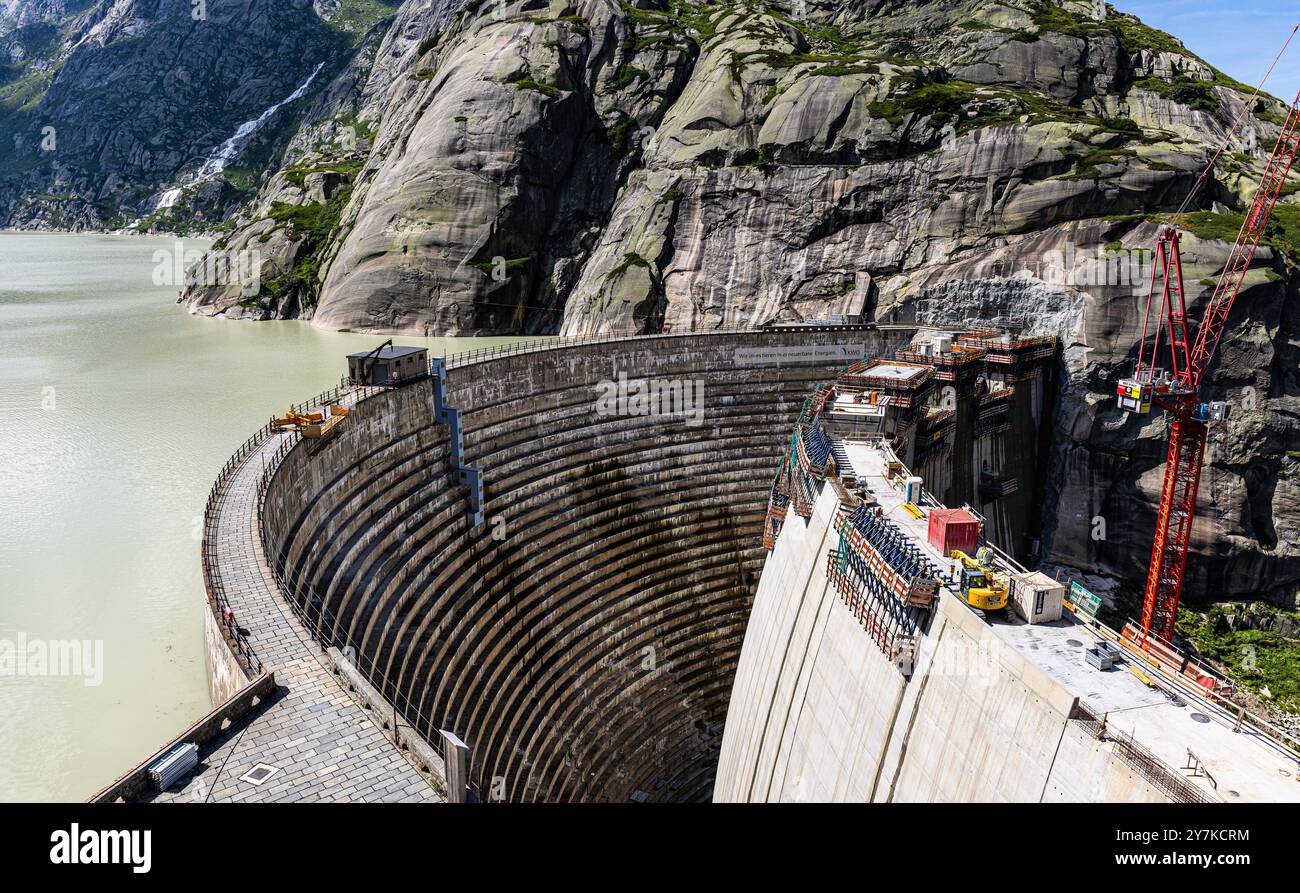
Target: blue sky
(1239,38)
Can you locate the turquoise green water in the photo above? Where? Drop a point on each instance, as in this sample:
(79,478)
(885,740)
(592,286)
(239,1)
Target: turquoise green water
(117,408)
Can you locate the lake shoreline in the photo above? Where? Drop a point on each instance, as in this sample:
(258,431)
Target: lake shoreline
(121,409)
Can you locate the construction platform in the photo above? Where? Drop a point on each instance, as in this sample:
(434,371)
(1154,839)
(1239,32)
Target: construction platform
(1146,710)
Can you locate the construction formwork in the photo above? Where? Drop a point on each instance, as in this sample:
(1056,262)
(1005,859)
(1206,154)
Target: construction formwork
(909,385)
(948,366)
(1012,358)
(948,408)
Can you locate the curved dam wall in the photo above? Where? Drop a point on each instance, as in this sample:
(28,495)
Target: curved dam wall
(584,638)
(820,714)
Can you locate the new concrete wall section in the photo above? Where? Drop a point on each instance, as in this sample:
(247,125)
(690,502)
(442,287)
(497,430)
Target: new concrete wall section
(818,713)
(583,640)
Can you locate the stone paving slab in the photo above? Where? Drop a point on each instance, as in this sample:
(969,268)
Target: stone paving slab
(323,743)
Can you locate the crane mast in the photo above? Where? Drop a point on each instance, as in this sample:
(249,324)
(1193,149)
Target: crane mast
(1177,389)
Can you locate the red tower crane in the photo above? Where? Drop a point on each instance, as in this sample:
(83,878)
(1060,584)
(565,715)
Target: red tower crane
(1177,388)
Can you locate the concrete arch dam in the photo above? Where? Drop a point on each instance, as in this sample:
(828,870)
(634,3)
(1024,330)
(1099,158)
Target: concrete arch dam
(583,639)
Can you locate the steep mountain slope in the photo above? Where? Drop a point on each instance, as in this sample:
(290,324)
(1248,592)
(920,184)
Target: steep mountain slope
(607,166)
(105,105)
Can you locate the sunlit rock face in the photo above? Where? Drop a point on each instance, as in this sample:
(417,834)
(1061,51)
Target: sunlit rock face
(591,167)
(596,168)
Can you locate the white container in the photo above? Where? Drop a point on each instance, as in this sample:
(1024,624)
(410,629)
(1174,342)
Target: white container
(1037,597)
(174,765)
(912,490)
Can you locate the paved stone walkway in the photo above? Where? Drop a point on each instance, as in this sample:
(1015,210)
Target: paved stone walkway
(323,743)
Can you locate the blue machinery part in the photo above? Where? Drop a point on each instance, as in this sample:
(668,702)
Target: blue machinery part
(443,414)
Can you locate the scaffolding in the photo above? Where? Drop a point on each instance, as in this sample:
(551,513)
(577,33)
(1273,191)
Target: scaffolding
(948,366)
(884,579)
(1015,359)
(887,622)
(802,491)
(778,501)
(814,449)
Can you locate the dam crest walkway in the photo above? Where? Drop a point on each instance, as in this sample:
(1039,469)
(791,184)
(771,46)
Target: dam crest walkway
(322,743)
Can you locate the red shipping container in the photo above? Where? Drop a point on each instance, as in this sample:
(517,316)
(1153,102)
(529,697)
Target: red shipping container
(954,529)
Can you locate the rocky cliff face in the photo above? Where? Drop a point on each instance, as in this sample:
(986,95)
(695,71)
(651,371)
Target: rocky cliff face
(606,167)
(618,166)
(117,112)
(598,167)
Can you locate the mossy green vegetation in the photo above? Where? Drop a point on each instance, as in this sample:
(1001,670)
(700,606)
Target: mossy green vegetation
(525,81)
(25,91)
(616,133)
(316,224)
(971,106)
(513,263)
(694,20)
(1192,93)
(1088,166)
(941,101)
(630,259)
(23,84)
(1282,233)
(1133,35)
(240,179)
(1255,658)
(360,130)
(627,75)
(1211,225)
(298,173)
(356,17)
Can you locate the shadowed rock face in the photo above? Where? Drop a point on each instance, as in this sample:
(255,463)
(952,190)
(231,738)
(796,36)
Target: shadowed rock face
(104,104)
(1087,282)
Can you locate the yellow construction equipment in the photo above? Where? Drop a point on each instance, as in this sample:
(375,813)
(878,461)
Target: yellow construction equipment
(318,430)
(293,419)
(980,586)
(1142,677)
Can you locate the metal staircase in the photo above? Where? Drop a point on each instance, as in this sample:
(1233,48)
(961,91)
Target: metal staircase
(466,475)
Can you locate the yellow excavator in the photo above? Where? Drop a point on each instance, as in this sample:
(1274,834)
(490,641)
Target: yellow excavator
(981,587)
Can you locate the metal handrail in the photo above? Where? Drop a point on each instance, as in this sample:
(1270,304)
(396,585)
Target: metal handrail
(555,342)
(213,585)
(365,664)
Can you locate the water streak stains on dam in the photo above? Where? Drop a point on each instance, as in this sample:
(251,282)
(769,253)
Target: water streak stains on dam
(584,639)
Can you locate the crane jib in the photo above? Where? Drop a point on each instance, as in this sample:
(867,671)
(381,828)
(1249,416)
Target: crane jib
(1177,388)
